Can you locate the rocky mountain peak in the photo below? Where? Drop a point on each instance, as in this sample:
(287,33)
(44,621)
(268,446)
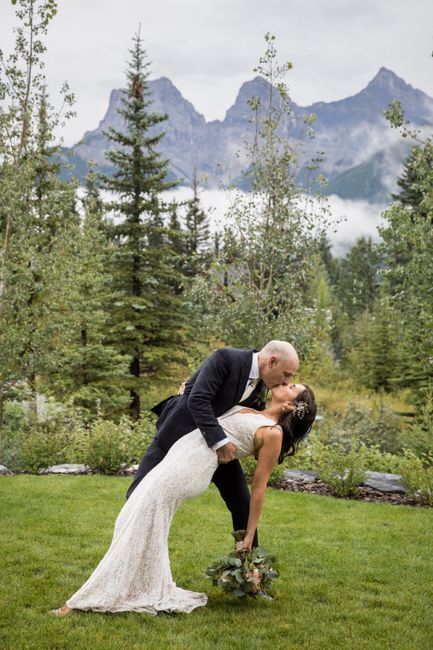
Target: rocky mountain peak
(387,81)
(352,131)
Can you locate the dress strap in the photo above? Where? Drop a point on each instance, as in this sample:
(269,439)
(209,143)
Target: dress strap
(269,422)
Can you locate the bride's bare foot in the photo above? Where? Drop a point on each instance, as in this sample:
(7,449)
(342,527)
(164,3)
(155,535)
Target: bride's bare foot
(62,611)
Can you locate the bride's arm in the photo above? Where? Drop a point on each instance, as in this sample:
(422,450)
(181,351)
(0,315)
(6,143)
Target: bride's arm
(267,457)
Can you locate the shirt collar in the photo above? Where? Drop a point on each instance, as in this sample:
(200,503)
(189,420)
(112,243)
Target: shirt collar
(254,372)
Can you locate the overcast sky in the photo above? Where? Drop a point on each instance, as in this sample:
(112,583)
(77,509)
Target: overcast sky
(209,47)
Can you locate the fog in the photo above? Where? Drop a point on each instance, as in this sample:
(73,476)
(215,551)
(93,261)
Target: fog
(352,219)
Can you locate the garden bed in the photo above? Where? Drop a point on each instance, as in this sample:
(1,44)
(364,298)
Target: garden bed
(364,493)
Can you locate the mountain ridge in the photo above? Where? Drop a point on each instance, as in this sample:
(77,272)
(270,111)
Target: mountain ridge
(351,130)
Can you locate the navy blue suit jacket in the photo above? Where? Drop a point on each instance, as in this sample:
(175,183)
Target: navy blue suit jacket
(212,390)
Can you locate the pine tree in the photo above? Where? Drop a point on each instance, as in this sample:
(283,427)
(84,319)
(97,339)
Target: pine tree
(146,319)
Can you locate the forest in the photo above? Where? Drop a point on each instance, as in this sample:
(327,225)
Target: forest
(111,295)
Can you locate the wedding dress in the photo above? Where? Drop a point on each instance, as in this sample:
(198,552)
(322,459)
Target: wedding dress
(134,575)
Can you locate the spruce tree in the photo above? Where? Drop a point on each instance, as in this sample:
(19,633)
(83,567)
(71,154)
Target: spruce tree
(196,234)
(146,320)
(411,180)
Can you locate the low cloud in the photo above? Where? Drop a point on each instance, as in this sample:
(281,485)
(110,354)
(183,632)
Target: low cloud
(356,219)
(353,219)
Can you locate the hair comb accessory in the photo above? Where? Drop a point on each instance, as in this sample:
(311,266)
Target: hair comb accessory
(300,409)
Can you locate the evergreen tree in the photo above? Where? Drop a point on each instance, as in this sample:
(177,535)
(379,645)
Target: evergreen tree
(408,250)
(177,239)
(373,353)
(196,234)
(89,373)
(411,180)
(146,319)
(358,278)
(331,264)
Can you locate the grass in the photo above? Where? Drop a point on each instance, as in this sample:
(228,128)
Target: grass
(354,575)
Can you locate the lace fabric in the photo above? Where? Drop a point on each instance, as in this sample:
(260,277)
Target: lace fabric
(135,574)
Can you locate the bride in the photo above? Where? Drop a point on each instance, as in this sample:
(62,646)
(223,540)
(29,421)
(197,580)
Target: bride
(134,575)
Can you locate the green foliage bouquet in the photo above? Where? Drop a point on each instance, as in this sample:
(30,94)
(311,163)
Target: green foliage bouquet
(244,573)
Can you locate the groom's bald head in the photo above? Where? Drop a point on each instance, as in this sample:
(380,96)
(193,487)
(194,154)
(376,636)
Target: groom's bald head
(278,362)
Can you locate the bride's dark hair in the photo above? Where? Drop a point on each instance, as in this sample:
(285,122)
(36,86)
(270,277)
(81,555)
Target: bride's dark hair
(297,423)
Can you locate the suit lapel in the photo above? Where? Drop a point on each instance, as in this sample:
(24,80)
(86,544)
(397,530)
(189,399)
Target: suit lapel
(246,361)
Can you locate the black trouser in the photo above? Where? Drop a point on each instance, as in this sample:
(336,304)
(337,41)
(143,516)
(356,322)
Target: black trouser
(229,479)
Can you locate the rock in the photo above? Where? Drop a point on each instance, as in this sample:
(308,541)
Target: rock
(384,482)
(67,468)
(128,470)
(301,475)
(4,471)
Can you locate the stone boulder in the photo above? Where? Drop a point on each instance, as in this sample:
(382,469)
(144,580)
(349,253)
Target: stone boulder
(301,475)
(66,468)
(4,471)
(384,482)
(128,470)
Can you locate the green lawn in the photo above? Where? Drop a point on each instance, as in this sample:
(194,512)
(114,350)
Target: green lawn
(354,575)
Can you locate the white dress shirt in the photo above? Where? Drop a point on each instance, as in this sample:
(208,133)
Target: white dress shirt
(253,377)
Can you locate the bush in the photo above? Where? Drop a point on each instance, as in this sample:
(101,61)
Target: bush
(381,461)
(379,427)
(106,449)
(343,471)
(42,445)
(308,454)
(417,479)
(107,446)
(249,466)
(420,438)
(63,436)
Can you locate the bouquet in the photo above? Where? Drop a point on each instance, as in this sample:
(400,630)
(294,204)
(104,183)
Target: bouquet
(243,573)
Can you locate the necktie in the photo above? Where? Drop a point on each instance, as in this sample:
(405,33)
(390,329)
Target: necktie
(250,387)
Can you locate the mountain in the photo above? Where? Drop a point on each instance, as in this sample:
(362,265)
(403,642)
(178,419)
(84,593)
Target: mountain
(363,154)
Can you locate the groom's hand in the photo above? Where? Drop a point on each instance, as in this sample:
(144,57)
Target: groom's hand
(226,453)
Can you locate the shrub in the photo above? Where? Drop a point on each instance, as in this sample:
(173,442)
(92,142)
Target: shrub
(417,479)
(64,436)
(308,454)
(420,435)
(42,445)
(379,427)
(381,461)
(107,446)
(106,451)
(249,466)
(343,471)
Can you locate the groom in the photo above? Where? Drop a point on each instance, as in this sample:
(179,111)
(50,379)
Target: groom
(227,377)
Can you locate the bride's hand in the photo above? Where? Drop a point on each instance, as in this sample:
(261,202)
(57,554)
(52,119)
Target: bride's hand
(244,545)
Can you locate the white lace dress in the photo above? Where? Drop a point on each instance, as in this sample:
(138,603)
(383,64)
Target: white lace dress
(134,575)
